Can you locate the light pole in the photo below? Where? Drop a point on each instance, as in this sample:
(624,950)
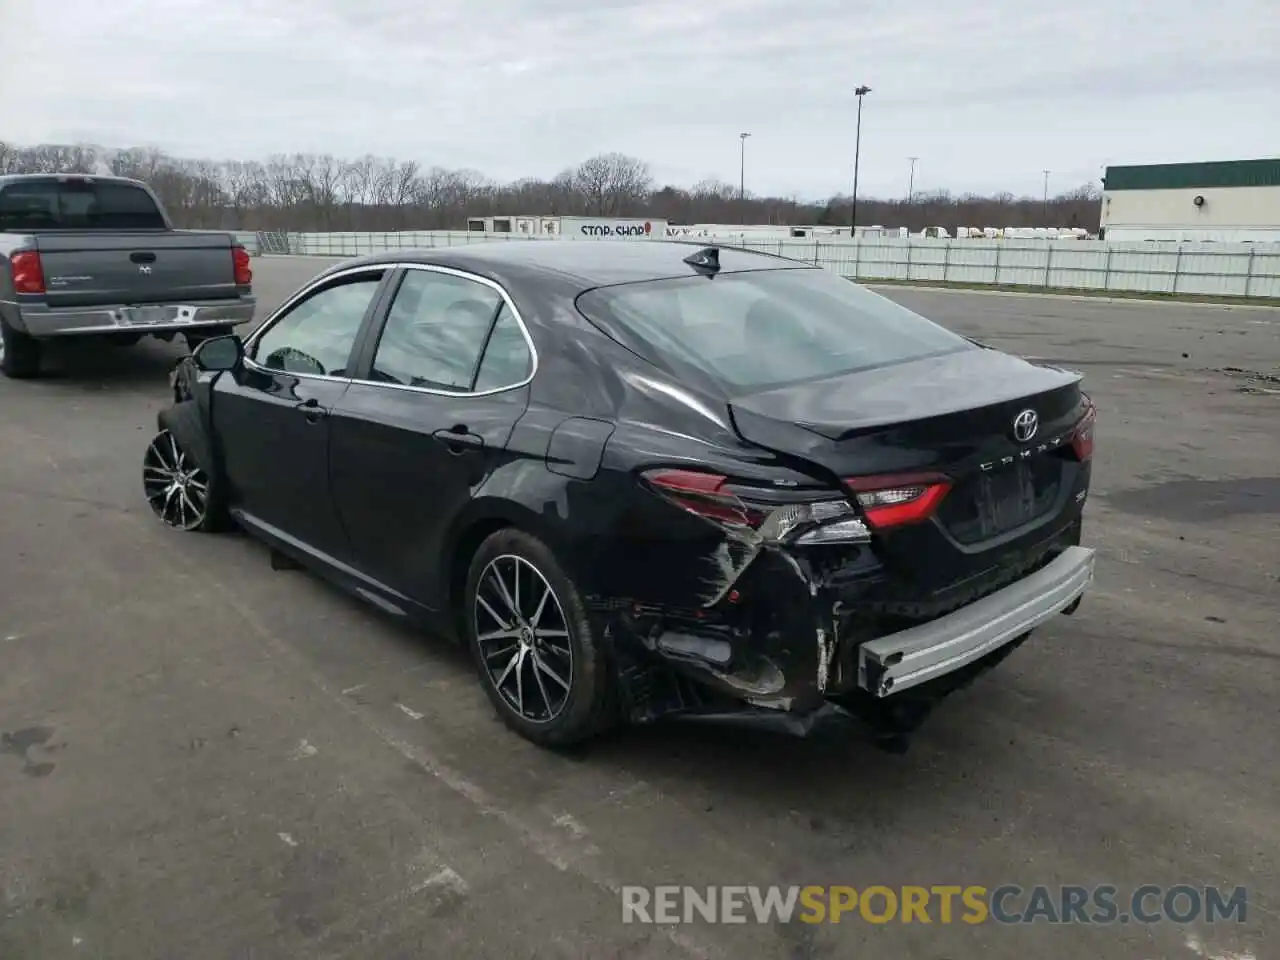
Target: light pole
(1046,198)
(911,181)
(860,92)
(742,166)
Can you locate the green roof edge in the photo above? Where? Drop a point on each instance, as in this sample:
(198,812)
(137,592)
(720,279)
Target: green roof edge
(1182,176)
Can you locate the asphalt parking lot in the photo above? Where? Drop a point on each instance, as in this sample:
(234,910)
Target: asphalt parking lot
(202,757)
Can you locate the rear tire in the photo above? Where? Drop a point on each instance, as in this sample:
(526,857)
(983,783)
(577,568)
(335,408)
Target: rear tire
(196,337)
(19,353)
(533,643)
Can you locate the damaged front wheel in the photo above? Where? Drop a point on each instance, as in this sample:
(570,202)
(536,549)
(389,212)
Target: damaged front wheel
(180,491)
(533,643)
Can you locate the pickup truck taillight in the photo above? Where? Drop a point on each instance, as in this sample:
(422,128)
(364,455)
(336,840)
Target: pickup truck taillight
(27,271)
(243,268)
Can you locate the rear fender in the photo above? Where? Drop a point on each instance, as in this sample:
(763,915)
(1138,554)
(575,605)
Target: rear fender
(494,512)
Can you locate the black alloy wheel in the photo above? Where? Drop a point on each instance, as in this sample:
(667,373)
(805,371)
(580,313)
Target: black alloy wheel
(523,638)
(178,489)
(534,644)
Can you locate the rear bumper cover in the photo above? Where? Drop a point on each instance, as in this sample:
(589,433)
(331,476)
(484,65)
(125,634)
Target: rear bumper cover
(899,661)
(800,637)
(39,320)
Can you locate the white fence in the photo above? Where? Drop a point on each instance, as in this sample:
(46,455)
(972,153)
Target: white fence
(1207,268)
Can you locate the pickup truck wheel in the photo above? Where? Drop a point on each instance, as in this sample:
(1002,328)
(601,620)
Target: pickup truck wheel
(180,492)
(19,353)
(196,337)
(537,651)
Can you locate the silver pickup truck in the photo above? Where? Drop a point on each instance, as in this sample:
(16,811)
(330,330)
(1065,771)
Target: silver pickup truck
(89,256)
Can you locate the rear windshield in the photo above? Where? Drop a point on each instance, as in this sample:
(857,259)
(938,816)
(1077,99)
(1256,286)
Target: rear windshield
(762,329)
(76,205)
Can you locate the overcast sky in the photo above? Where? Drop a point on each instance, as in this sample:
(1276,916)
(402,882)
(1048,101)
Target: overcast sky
(987,94)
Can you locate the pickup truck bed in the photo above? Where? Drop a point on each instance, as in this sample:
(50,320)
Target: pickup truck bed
(69,269)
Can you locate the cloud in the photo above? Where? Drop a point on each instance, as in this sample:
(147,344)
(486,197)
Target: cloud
(987,95)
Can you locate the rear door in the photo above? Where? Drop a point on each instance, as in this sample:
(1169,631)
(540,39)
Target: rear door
(273,418)
(425,421)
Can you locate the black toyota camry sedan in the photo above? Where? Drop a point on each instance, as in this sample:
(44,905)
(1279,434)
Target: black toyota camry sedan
(643,478)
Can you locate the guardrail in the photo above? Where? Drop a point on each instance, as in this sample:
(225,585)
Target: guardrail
(249,241)
(1169,267)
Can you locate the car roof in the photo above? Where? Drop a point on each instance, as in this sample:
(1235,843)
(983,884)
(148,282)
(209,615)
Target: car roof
(580,263)
(9,178)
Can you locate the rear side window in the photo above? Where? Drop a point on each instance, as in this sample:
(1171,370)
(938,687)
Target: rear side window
(507,360)
(76,204)
(446,332)
(761,329)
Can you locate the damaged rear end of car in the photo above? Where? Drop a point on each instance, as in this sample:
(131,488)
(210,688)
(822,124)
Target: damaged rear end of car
(898,510)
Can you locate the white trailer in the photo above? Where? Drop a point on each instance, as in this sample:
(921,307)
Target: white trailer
(612,228)
(571,228)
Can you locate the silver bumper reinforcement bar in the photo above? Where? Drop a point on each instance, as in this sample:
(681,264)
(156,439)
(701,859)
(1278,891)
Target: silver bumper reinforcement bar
(902,660)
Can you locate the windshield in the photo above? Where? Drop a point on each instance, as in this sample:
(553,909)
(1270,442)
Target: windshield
(77,205)
(756,330)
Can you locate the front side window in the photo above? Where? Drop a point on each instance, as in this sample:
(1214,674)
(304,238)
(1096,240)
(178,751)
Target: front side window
(436,331)
(317,335)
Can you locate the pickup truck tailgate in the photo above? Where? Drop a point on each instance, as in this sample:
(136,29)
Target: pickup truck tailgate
(130,267)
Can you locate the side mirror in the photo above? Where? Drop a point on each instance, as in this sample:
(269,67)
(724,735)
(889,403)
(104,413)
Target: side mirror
(219,353)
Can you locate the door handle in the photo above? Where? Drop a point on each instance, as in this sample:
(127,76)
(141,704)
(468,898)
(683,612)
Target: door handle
(312,412)
(143,256)
(459,439)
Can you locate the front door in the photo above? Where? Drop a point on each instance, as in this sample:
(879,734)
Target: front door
(422,427)
(273,417)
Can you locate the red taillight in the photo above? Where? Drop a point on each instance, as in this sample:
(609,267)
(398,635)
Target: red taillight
(27,271)
(808,518)
(893,501)
(1082,435)
(704,494)
(243,266)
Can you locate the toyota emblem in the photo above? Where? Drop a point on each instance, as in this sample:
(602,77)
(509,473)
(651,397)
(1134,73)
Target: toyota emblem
(1025,425)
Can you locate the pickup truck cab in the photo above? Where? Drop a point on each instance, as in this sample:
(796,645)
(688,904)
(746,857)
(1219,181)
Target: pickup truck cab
(90,256)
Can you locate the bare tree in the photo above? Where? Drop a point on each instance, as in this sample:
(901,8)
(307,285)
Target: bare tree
(321,192)
(10,158)
(613,183)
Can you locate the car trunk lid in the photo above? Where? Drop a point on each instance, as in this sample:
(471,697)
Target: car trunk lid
(947,420)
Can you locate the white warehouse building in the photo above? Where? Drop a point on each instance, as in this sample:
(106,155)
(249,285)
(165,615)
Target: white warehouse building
(1228,201)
